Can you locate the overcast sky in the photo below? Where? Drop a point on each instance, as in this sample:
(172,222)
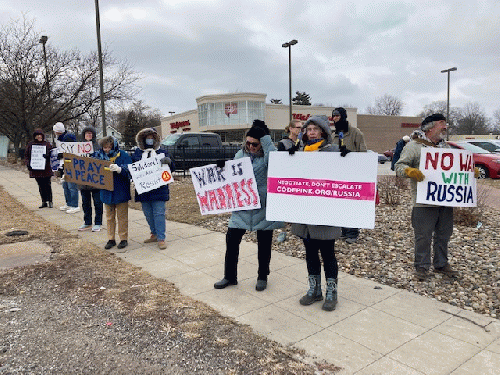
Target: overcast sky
(348,52)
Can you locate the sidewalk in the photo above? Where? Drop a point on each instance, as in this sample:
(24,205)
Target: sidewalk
(375,329)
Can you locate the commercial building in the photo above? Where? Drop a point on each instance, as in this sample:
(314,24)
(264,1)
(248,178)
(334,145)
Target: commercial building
(231,115)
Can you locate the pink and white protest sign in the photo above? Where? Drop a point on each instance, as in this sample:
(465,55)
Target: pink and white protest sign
(322,188)
(220,190)
(449,178)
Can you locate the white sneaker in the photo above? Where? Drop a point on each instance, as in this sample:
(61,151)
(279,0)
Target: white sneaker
(72,210)
(84,227)
(64,208)
(96,228)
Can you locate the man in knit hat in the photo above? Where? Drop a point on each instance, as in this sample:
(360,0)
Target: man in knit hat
(349,139)
(431,224)
(70,188)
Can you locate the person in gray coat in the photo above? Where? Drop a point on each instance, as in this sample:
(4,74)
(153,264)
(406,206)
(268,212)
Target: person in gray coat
(319,238)
(257,146)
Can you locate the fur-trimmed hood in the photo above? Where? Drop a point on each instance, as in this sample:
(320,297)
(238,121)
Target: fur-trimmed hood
(323,123)
(140,139)
(38,131)
(89,129)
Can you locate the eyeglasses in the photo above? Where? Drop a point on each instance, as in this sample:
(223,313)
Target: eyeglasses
(254,144)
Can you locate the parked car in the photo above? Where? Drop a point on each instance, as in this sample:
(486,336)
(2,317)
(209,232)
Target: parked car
(489,145)
(197,149)
(486,162)
(381,157)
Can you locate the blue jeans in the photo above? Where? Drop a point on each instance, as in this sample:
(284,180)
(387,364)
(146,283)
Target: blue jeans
(70,194)
(87,197)
(155,216)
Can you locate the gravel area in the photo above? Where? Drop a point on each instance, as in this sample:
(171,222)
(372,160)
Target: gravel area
(385,254)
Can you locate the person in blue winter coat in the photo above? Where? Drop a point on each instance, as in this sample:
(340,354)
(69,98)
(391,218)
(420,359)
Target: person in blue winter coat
(257,146)
(116,201)
(153,201)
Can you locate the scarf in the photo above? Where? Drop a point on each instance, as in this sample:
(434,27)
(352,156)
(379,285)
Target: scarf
(313,145)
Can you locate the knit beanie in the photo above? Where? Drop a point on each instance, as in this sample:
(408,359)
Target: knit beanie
(59,127)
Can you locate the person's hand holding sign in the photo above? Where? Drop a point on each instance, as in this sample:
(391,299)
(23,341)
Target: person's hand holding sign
(415,174)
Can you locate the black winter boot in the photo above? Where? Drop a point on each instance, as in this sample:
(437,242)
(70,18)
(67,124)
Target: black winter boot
(330,295)
(44,204)
(314,293)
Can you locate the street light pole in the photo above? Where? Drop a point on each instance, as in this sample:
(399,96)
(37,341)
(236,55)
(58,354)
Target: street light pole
(171,112)
(289,46)
(448,98)
(43,40)
(101,73)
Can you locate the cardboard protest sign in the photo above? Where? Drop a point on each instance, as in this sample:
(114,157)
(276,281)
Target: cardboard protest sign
(449,178)
(88,171)
(322,188)
(232,188)
(75,148)
(149,174)
(37,160)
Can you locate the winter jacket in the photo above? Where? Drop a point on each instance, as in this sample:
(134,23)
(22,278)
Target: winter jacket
(410,157)
(121,181)
(285,144)
(67,137)
(47,172)
(256,219)
(397,152)
(319,232)
(95,146)
(353,139)
(162,193)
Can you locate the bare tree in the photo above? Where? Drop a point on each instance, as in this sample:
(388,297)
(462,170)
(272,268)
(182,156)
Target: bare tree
(472,120)
(440,107)
(495,124)
(386,105)
(276,101)
(28,100)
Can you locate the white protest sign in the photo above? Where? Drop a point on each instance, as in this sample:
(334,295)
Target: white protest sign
(149,174)
(37,161)
(75,148)
(449,178)
(232,188)
(322,188)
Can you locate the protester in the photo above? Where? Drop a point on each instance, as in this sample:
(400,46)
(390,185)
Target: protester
(90,193)
(319,238)
(293,130)
(430,223)
(41,176)
(349,139)
(257,146)
(70,188)
(153,201)
(116,201)
(397,151)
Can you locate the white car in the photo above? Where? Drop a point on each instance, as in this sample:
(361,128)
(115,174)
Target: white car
(491,145)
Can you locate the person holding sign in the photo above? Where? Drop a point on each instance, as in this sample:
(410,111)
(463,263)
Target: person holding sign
(116,201)
(349,139)
(153,201)
(431,224)
(319,238)
(37,156)
(258,144)
(70,188)
(293,130)
(90,193)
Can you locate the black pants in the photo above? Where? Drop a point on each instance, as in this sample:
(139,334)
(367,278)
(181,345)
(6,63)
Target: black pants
(44,188)
(87,197)
(233,240)
(327,249)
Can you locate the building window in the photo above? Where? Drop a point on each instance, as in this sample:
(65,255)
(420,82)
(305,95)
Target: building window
(230,113)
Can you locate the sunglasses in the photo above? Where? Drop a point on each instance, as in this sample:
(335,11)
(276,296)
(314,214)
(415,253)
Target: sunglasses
(254,144)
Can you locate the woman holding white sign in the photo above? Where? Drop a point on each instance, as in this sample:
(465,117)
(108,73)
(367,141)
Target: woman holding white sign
(319,238)
(258,144)
(37,157)
(153,201)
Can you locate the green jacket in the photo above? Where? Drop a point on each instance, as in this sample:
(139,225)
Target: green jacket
(353,140)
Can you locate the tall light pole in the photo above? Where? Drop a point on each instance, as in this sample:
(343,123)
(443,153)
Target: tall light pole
(101,73)
(171,112)
(43,41)
(289,46)
(448,98)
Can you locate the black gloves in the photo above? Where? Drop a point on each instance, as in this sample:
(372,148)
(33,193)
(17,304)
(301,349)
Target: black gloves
(44,156)
(59,173)
(166,160)
(344,151)
(29,168)
(59,156)
(221,163)
(294,148)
